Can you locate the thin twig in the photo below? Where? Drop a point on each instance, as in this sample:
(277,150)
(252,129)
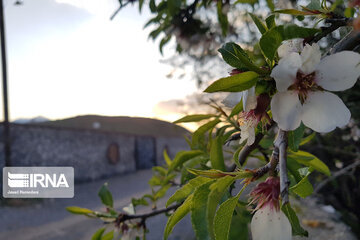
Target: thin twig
(118,10)
(349,42)
(281,144)
(335,23)
(336,175)
(124,217)
(247,149)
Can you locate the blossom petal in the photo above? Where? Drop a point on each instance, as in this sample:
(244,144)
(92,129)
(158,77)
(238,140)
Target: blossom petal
(285,72)
(310,57)
(270,224)
(286,110)
(293,45)
(232,99)
(249,99)
(247,132)
(339,71)
(324,111)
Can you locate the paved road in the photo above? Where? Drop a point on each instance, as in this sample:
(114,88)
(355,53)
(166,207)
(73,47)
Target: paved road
(49,220)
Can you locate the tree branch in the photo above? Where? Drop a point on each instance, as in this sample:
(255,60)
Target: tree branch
(247,149)
(124,217)
(281,144)
(335,23)
(349,42)
(336,175)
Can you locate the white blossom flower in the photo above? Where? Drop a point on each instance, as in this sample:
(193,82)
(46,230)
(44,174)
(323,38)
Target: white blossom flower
(247,118)
(248,97)
(132,234)
(294,45)
(302,81)
(269,222)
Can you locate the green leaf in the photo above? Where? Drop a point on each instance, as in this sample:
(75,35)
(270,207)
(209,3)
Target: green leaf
(272,39)
(162,191)
(187,189)
(222,18)
(307,139)
(198,137)
(152,6)
(183,156)
(295,137)
(238,108)
(223,218)
(259,24)
(252,2)
(314,5)
(236,57)
(270,21)
(294,221)
(303,188)
(194,118)
(163,42)
(235,83)
(216,154)
(271,5)
(213,173)
(198,211)
(217,191)
(141,3)
(166,158)
(105,195)
(97,235)
(310,160)
(78,210)
(139,201)
(108,236)
(179,214)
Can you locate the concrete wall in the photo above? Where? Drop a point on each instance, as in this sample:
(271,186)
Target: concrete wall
(87,150)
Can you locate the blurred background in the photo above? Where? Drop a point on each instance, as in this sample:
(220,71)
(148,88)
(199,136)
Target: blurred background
(90,87)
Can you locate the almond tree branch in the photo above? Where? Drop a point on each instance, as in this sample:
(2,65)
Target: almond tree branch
(247,149)
(281,144)
(124,217)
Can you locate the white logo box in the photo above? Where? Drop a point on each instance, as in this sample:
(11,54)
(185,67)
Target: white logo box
(38,182)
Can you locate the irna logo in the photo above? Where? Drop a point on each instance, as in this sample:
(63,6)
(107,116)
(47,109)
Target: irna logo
(19,180)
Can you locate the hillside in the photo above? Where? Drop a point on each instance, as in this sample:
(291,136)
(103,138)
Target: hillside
(130,125)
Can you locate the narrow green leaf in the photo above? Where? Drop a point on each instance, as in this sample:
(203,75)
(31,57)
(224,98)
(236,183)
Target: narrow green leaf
(179,214)
(108,236)
(272,39)
(213,173)
(194,118)
(198,211)
(163,42)
(166,158)
(139,201)
(223,218)
(222,18)
(295,137)
(259,24)
(314,5)
(216,154)
(187,189)
(271,5)
(307,139)
(235,83)
(217,191)
(310,160)
(237,109)
(198,137)
(78,210)
(270,21)
(97,235)
(105,195)
(162,191)
(183,156)
(141,3)
(294,221)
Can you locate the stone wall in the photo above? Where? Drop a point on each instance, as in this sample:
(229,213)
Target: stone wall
(93,154)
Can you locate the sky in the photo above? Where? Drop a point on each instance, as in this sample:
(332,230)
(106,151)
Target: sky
(66,58)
